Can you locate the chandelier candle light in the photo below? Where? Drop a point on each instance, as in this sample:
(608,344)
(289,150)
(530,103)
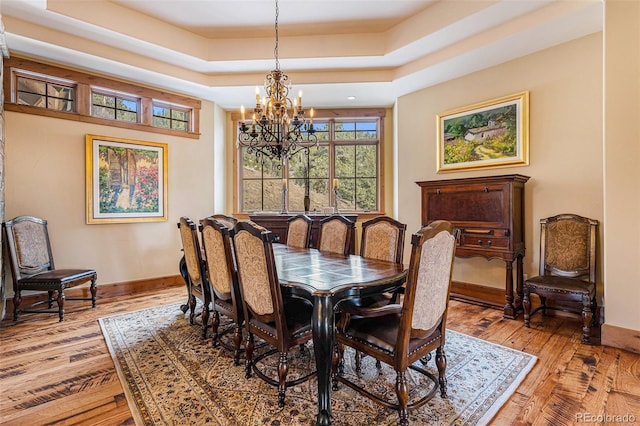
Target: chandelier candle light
(284,196)
(335,195)
(278,128)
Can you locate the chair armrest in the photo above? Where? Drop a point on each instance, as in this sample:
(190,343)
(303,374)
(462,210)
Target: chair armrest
(363,311)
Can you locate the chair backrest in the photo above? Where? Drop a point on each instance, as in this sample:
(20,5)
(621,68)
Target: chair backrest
(383,239)
(428,282)
(29,246)
(568,246)
(259,285)
(335,234)
(192,253)
(228,221)
(221,273)
(299,231)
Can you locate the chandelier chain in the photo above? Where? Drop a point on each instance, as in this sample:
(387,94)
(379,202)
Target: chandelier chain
(275,50)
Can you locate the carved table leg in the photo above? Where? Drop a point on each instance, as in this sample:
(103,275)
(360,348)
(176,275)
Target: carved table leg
(323,336)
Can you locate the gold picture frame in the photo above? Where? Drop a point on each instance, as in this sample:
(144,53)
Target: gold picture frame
(485,135)
(126,180)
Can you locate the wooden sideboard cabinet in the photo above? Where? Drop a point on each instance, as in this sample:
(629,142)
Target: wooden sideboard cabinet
(489,213)
(277,223)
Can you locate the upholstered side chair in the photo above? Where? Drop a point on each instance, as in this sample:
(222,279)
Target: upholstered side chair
(32,267)
(299,231)
(400,335)
(281,323)
(229,222)
(336,234)
(567,270)
(383,239)
(223,281)
(197,286)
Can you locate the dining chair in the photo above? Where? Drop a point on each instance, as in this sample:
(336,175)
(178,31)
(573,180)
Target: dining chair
(401,335)
(335,234)
(567,271)
(281,323)
(299,231)
(197,286)
(229,222)
(223,281)
(382,239)
(32,267)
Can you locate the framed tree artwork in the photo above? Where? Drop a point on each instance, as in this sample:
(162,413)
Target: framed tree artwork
(126,180)
(489,134)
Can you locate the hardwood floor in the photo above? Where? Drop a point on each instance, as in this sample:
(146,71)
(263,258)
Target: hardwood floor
(62,373)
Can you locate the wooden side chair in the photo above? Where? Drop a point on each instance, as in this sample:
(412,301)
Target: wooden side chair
(223,280)
(281,325)
(197,286)
(336,234)
(400,335)
(567,269)
(299,231)
(32,267)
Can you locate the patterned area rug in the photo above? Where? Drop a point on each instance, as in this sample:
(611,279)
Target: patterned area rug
(173,377)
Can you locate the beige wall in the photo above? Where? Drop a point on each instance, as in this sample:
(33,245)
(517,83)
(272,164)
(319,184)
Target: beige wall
(622,170)
(45,169)
(565,88)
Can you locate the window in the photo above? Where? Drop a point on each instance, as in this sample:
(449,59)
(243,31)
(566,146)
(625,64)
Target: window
(43,92)
(171,117)
(348,150)
(47,90)
(114,106)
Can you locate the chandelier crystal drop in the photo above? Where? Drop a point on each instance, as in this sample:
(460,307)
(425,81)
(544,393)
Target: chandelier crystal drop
(278,127)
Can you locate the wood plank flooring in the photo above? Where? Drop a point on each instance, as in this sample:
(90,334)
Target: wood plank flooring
(62,373)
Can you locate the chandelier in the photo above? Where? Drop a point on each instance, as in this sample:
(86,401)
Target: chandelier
(278,128)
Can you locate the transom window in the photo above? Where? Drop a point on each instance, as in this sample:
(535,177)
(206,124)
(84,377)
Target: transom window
(50,91)
(47,93)
(347,155)
(114,106)
(171,117)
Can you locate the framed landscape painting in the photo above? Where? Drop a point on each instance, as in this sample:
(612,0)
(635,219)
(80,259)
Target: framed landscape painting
(489,134)
(126,180)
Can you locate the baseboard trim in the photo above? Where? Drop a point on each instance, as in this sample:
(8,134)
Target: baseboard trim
(621,338)
(478,294)
(105,290)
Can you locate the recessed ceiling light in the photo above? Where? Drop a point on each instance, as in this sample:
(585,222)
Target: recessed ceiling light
(351,98)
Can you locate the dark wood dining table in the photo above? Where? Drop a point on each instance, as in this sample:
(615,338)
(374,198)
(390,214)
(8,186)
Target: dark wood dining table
(326,280)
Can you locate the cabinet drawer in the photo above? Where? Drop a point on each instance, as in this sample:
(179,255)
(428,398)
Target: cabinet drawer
(484,238)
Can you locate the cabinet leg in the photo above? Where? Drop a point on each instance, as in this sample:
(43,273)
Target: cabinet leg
(509,309)
(519,282)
